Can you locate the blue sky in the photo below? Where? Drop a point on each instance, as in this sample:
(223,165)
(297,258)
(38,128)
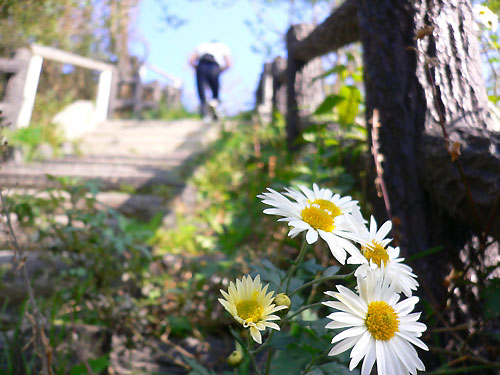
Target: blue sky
(170,47)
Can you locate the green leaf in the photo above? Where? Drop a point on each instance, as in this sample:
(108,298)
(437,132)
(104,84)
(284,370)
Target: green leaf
(197,369)
(334,368)
(281,340)
(97,365)
(330,102)
(330,271)
(348,108)
(335,70)
(311,266)
(179,325)
(318,326)
(289,362)
(491,295)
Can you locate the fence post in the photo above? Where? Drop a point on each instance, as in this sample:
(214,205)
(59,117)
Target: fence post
(113,92)
(265,94)
(138,94)
(278,71)
(103,95)
(303,94)
(15,90)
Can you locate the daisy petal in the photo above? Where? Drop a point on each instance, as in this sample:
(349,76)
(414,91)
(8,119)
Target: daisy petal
(311,236)
(343,346)
(256,335)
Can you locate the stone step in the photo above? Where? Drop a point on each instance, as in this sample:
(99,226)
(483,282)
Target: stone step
(130,124)
(170,160)
(145,129)
(150,157)
(148,139)
(111,176)
(148,148)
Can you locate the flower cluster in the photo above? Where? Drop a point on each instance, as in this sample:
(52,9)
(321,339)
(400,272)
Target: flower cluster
(485,17)
(375,323)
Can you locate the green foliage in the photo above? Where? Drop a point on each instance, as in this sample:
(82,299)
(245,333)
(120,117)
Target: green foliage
(491,295)
(97,365)
(32,138)
(327,106)
(97,244)
(490,46)
(166,113)
(67,24)
(28,139)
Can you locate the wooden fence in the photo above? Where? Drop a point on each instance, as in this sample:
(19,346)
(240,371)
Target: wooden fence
(288,85)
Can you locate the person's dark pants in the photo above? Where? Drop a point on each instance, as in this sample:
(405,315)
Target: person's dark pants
(207,74)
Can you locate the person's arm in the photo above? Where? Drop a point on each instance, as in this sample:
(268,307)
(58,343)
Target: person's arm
(192,60)
(227,63)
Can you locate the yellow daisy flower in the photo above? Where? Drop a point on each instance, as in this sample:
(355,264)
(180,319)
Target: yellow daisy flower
(251,306)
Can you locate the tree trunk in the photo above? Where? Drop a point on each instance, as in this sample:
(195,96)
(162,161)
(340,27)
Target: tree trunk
(427,197)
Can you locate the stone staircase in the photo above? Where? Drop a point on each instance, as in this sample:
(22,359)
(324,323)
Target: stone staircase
(136,163)
(124,156)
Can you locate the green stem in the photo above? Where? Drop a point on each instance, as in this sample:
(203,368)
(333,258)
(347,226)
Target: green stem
(268,362)
(303,308)
(265,344)
(314,360)
(250,354)
(320,280)
(247,348)
(292,270)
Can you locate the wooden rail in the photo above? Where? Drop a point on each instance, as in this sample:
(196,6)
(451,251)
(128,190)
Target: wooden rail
(288,85)
(24,71)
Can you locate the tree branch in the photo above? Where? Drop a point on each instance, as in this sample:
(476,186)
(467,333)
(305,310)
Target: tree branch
(338,30)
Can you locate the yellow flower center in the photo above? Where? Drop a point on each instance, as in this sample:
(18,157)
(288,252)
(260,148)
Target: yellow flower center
(320,214)
(249,311)
(376,253)
(381,320)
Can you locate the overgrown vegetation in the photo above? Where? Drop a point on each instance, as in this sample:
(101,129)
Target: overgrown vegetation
(113,275)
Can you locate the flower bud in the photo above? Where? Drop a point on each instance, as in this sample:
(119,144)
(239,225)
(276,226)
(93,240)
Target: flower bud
(282,300)
(235,358)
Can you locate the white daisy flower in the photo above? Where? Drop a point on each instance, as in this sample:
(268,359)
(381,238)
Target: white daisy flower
(317,211)
(379,328)
(379,256)
(484,16)
(249,304)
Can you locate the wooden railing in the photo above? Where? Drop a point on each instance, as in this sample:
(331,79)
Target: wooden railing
(23,71)
(294,76)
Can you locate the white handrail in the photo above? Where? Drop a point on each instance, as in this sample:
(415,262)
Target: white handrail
(34,70)
(176,82)
(69,58)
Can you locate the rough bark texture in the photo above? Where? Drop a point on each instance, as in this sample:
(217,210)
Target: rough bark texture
(271,92)
(264,100)
(456,70)
(426,193)
(279,84)
(339,29)
(303,95)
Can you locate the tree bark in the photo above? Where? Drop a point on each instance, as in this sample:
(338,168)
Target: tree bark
(339,29)
(303,94)
(427,193)
(278,70)
(428,200)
